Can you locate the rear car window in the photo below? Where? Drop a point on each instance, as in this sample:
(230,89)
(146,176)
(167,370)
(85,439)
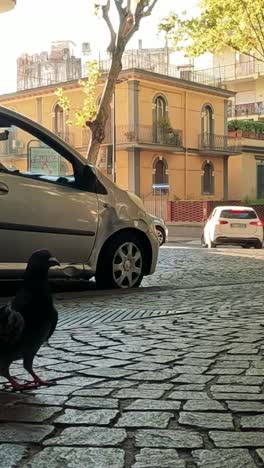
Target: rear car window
(238,214)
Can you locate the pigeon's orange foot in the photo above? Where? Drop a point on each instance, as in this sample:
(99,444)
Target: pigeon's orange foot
(39,382)
(19,386)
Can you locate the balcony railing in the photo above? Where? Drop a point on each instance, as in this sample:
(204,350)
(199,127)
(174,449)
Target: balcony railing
(219,143)
(140,135)
(12,146)
(147,135)
(144,62)
(244,110)
(236,71)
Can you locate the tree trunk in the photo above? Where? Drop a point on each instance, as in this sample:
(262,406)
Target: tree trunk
(97,126)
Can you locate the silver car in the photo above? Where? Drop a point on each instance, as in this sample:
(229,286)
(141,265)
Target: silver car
(51,197)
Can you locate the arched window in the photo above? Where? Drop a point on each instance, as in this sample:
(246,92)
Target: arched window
(207,120)
(207,178)
(160,175)
(59,120)
(160,108)
(207,124)
(160,115)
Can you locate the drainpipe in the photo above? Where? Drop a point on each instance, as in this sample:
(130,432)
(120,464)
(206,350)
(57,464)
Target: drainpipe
(225,159)
(186,145)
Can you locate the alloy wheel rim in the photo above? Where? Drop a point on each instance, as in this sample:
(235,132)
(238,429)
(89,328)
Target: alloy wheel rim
(160,236)
(127,265)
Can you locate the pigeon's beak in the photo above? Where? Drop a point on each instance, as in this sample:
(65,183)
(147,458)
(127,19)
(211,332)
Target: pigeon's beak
(53,262)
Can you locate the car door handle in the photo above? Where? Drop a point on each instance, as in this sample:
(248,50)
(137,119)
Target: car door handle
(3,188)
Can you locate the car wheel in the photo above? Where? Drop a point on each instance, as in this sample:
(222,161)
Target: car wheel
(211,244)
(245,246)
(258,245)
(161,235)
(122,263)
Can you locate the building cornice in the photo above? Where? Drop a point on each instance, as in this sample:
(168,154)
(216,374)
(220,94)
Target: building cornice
(253,149)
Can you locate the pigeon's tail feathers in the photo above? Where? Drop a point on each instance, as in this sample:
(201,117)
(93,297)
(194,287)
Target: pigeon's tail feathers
(11,326)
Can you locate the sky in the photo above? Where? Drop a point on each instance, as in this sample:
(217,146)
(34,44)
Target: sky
(33,24)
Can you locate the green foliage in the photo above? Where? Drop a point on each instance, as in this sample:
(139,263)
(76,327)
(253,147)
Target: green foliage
(246,126)
(80,116)
(251,201)
(238,24)
(164,122)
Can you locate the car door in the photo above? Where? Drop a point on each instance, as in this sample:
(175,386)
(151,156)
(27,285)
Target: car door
(41,205)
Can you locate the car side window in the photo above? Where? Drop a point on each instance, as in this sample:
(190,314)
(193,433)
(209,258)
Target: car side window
(24,155)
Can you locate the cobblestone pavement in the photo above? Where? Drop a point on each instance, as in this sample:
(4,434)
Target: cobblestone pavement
(167,376)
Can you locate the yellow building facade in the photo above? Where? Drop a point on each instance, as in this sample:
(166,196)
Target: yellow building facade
(245,76)
(246,172)
(170,134)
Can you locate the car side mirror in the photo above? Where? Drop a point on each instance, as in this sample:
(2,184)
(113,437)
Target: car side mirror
(90,181)
(4,135)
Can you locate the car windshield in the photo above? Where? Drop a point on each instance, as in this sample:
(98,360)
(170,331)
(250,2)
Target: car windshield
(238,214)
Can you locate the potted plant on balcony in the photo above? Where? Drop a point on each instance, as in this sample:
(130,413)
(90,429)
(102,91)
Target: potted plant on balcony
(131,136)
(234,128)
(163,129)
(259,129)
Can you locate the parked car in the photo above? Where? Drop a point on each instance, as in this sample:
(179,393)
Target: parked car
(161,229)
(160,226)
(51,197)
(235,225)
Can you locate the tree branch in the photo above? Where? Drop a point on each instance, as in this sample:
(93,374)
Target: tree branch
(120,9)
(139,14)
(105,11)
(257,33)
(149,9)
(261,28)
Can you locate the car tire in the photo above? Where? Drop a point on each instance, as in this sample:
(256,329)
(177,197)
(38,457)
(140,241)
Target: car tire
(161,235)
(121,264)
(211,244)
(245,246)
(258,245)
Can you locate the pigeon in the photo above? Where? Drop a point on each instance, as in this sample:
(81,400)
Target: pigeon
(28,320)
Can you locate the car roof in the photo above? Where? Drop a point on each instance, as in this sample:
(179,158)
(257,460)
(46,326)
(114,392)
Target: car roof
(233,207)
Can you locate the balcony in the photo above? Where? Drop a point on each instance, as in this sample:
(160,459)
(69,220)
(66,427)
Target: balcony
(222,144)
(12,146)
(148,135)
(245,110)
(236,71)
(139,135)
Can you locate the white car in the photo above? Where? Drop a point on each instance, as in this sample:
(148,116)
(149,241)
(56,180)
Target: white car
(235,225)
(51,197)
